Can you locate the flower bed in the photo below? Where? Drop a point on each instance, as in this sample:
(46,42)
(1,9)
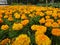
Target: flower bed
(29,25)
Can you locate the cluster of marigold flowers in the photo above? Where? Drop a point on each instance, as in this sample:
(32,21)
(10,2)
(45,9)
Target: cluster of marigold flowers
(50,18)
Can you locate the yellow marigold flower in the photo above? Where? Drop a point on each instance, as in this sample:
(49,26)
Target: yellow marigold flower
(50,20)
(37,13)
(23,17)
(55,24)
(48,24)
(47,17)
(54,15)
(4,27)
(7,13)
(5,41)
(41,28)
(55,31)
(10,19)
(58,14)
(31,15)
(58,21)
(25,22)
(38,33)
(17,16)
(48,12)
(42,20)
(1,16)
(6,16)
(1,21)
(17,26)
(42,40)
(41,14)
(22,39)
(34,27)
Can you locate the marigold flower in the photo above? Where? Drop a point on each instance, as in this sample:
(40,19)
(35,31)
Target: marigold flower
(1,16)
(1,21)
(38,33)
(23,17)
(55,24)
(17,16)
(48,12)
(4,27)
(54,15)
(5,41)
(17,26)
(6,16)
(31,15)
(37,13)
(34,27)
(55,31)
(50,20)
(48,24)
(42,40)
(39,28)
(24,22)
(58,21)
(42,20)
(47,17)
(10,19)
(58,14)
(41,14)
(22,39)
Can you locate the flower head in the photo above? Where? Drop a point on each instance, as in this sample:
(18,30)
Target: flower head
(17,26)
(5,41)
(22,39)
(42,40)
(55,31)
(17,16)
(42,21)
(4,27)
(24,22)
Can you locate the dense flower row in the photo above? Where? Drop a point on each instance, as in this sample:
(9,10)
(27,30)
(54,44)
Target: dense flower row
(37,20)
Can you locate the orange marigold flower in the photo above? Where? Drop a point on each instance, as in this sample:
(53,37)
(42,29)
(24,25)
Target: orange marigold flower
(42,40)
(31,15)
(34,27)
(41,14)
(47,17)
(50,20)
(39,28)
(24,22)
(54,15)
(38,33)
(4,27)
(17,16)
(23,17)
(5,41)
(55,31)
(22,39)
(10,19)
(55,24)
(58,14)
(42,20)
(48,12)
(1,21)
(17,26)
(48,24)
(1,16)
(58,21)
(6,16)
